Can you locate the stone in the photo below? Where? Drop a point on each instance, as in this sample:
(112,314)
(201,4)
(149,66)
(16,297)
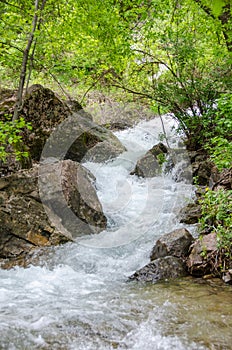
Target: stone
(74,132)
(224,180)
(149,165)
(7,102)
(165,268)
(77,135)
(175,243)
(201,170)
(190,214)
(36,214)
(94,143)
(200,261)
(66,188)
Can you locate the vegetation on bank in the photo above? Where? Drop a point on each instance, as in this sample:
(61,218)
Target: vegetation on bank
(173,55)
(216,217)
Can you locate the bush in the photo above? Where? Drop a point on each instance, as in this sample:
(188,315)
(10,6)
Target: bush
(11,141)
(217,217)
(219,144)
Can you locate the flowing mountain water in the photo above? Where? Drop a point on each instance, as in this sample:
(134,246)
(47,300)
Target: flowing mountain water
(79,296)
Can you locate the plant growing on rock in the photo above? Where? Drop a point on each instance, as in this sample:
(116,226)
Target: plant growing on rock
(217,217)
(11,139)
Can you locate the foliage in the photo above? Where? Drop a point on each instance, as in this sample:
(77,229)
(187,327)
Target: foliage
(217,217)
(11,134)
(219,144)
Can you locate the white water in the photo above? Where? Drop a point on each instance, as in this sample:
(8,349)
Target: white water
(79,298)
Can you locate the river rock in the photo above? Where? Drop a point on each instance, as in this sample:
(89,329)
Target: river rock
(175,243)
(201,259)
(149,165)
(31,218)
(168,267)
(77,136)
(66,188)
(190,214)
(94,143)
(201,171)
(74,139)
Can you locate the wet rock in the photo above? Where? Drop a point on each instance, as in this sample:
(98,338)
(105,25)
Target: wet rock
(95,143)
(175,243)
(67,189)
(190,214)
(119,125)
(150,165)
(201,258)
(168,267)
(27,223)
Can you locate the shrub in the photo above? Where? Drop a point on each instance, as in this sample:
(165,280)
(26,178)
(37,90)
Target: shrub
(217,217)
(11,141)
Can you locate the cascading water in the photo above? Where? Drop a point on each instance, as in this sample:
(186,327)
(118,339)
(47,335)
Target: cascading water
(79,296)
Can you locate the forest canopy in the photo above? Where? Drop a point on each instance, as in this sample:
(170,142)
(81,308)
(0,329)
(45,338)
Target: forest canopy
(175,55)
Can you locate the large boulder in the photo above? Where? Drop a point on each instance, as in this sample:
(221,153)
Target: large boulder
(37,214)
(168,267)
(150,164)
(77,135)
(67,191)
(75,132)
(167,258)
(175,243)
(92,142)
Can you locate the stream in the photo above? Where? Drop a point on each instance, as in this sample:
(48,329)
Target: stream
(79,297)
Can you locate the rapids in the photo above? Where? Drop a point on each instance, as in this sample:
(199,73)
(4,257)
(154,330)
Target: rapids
(79,297)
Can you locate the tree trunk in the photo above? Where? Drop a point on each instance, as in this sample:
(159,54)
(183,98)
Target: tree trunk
(24,63)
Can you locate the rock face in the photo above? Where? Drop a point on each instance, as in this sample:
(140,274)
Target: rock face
(7,101)
(194,165)
(201,259)
(150,165)
(93,142)
(224,181)
(27,223)
(168,267)
(167,258)
(175,243)
(190,214)
(77,135)
(66,189)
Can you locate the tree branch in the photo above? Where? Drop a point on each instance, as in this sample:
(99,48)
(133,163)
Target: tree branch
(10,45)
(8,3)
(26,52)
(205,8)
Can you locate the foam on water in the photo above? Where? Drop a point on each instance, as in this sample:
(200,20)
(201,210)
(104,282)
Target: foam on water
(78,297)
